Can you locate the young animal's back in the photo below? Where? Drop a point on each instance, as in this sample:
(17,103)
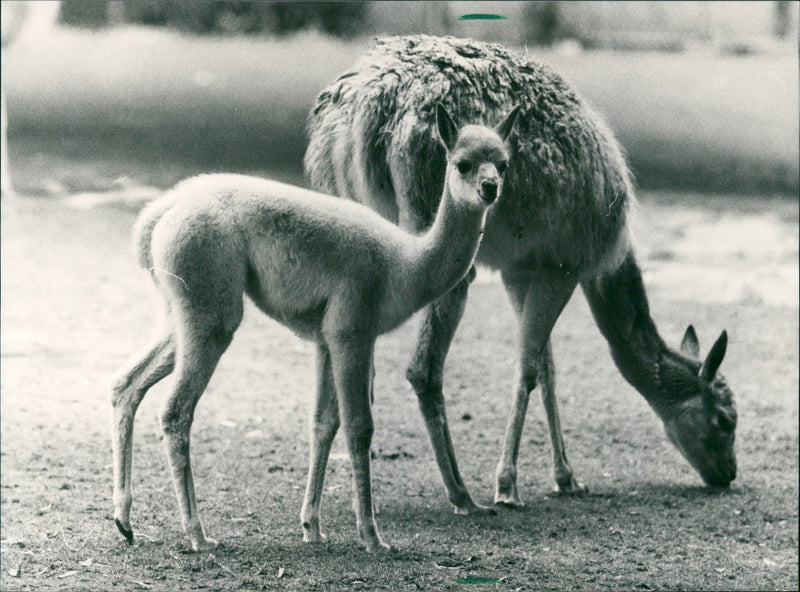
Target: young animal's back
(291,250)
(567,193)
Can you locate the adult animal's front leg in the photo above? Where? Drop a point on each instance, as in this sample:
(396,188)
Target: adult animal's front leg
(425,375)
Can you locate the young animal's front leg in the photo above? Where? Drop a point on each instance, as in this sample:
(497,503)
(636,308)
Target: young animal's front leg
(351,359)
(425,375)
(324,424)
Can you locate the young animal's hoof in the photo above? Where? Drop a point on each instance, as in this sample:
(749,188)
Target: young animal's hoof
(505,491)
(127,533)
(473,509)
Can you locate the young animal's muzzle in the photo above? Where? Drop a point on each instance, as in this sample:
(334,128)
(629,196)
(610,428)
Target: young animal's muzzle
(488,191)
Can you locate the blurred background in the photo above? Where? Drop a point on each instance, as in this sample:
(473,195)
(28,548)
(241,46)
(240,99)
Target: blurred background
(140,93)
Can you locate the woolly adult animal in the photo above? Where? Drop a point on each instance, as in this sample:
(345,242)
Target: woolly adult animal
(333,271)
(562,221)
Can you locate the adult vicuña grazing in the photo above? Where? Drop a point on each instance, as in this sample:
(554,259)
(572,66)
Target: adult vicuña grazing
(331,270)
(562,222)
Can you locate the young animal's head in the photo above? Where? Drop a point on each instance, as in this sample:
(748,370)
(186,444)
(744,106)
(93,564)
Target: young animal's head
(702,426)
(477,157)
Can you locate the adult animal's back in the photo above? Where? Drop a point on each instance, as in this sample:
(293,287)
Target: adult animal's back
(562,220)
(567,191)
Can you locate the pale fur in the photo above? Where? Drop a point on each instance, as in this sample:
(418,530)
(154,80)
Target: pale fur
(331,270)
(563,221)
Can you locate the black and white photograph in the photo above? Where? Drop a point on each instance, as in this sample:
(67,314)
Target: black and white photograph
(535,263)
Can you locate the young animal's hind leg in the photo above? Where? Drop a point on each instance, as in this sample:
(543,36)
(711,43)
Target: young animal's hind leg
(203,273)
(324,425)
(200,348)
(129,389)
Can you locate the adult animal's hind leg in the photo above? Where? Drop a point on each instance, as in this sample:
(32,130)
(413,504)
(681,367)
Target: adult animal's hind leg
(538,297)
(425,375)
(324,425)
(142,372)
(565,482)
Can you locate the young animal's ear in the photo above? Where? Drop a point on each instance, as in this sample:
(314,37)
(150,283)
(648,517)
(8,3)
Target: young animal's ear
(689,344)
(448,132)
(504,128)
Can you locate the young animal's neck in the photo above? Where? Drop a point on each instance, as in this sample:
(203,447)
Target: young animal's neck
(446,251)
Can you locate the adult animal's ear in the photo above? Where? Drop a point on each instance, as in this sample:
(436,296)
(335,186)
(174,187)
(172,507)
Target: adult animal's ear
(709,368)
(689,344)
(504,128)
(448,132)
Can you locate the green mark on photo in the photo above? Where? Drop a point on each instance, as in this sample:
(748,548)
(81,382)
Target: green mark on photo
(482,17)
(477,580)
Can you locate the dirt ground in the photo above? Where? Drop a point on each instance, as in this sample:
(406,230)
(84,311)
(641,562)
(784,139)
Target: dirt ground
(74,307)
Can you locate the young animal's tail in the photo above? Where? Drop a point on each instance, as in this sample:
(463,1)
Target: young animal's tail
(143,229)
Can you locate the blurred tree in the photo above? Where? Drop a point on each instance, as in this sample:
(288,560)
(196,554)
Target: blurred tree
(544,23)
(146,12)
(288,17)
(343,19)
(83,13)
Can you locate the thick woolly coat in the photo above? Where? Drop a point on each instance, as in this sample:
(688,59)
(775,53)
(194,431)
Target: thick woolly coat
(568,190)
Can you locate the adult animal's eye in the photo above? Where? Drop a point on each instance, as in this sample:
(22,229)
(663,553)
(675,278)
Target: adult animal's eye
(501,168)
(463,167)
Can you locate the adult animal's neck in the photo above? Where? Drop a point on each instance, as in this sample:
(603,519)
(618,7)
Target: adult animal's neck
(661,374)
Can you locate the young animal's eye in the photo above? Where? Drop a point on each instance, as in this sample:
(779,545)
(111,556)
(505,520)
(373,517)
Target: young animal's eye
(463,167)
(501,168)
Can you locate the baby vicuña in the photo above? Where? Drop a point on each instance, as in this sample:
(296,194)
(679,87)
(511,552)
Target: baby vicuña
(332,270)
